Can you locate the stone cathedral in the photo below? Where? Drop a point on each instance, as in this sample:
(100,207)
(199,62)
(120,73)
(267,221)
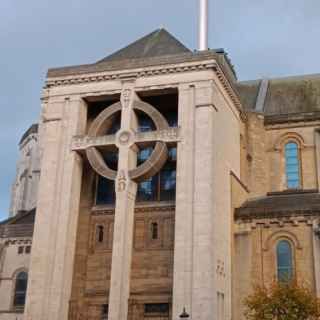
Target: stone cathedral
(157,186)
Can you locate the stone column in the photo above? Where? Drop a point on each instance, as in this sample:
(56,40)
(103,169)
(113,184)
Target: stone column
(316,256)
(182,280)
(51,269)
(317,145)
(203,291)
(315,238)
(194,264)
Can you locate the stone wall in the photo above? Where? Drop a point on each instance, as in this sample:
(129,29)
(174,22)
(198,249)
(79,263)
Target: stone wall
(25,187)
(11,262)
(255,254)
(152,265)
(255,238)
(266,159)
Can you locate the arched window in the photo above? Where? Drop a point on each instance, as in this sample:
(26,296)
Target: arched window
(284,261)
(292,165)
(100,234)
(154,231)
(20,290)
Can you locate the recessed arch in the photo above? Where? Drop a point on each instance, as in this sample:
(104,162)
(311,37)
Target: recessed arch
(19,292)
(292,159)
(286,137)
(285,260)
(282,234)
(17,271)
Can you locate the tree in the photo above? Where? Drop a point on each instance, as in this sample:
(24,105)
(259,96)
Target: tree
(282,301)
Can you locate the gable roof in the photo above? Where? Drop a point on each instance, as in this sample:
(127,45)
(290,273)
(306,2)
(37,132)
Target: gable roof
(21,225)
(156,44)
(31,130)
(285,98)
(280,204)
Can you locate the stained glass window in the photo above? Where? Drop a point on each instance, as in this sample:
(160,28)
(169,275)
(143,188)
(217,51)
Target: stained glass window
(284,261)
(147,190)
(145,123)
(292,165)
(161,187)
(105,191)
(20,289)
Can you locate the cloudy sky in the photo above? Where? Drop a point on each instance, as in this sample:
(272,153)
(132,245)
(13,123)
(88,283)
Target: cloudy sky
(265,38)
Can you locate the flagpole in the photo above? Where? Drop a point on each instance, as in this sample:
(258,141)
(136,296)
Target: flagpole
(203,25)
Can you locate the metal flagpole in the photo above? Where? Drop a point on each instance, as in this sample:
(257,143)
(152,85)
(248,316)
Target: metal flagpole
(203,25)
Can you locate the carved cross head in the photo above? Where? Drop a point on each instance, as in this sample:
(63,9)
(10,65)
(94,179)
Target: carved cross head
(127,140)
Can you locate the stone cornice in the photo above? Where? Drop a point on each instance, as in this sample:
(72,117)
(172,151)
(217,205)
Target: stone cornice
(151,71)
(152,207)
(124,74)
(231,91)
(282,119)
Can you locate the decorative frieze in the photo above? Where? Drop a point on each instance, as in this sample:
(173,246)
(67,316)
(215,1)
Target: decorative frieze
(251,224)
(148,72)
(23,241)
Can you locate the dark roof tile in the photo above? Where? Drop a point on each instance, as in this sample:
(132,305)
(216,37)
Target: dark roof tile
(280,204)
(156,44)
(33,129)
(20,225)
(287,99)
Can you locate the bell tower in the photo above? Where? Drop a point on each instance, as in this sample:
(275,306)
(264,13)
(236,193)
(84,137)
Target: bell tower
(134,211)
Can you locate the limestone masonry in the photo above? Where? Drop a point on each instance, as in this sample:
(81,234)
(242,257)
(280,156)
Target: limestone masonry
(156,182)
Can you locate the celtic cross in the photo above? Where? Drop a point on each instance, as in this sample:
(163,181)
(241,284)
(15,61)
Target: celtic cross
(128,140)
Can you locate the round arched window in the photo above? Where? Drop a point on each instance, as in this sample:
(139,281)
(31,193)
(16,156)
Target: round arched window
(284,261)
(20,289)
(292,165)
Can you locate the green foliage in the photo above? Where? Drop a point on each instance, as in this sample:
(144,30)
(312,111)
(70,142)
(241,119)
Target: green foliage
(289,301)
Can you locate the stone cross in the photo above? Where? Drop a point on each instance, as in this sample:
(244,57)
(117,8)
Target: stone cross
(128,141)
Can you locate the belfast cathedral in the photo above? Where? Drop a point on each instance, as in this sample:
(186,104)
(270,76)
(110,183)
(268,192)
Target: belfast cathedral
(158,186)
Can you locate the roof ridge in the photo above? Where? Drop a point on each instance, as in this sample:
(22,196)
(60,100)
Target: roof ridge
(281,78)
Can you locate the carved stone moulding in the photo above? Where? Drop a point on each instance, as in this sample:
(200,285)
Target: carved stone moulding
(138,209)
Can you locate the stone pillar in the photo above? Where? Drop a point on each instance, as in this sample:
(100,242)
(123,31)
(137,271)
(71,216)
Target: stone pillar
(315,238)
(316,256)
(193,263)
(182,281)
(317,145)
(203,291)
(54,240)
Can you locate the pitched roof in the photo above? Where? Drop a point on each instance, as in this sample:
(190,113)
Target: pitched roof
(32,129)
(285,98)
(156,44)
(20,225)
(281,204)
(155,49)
